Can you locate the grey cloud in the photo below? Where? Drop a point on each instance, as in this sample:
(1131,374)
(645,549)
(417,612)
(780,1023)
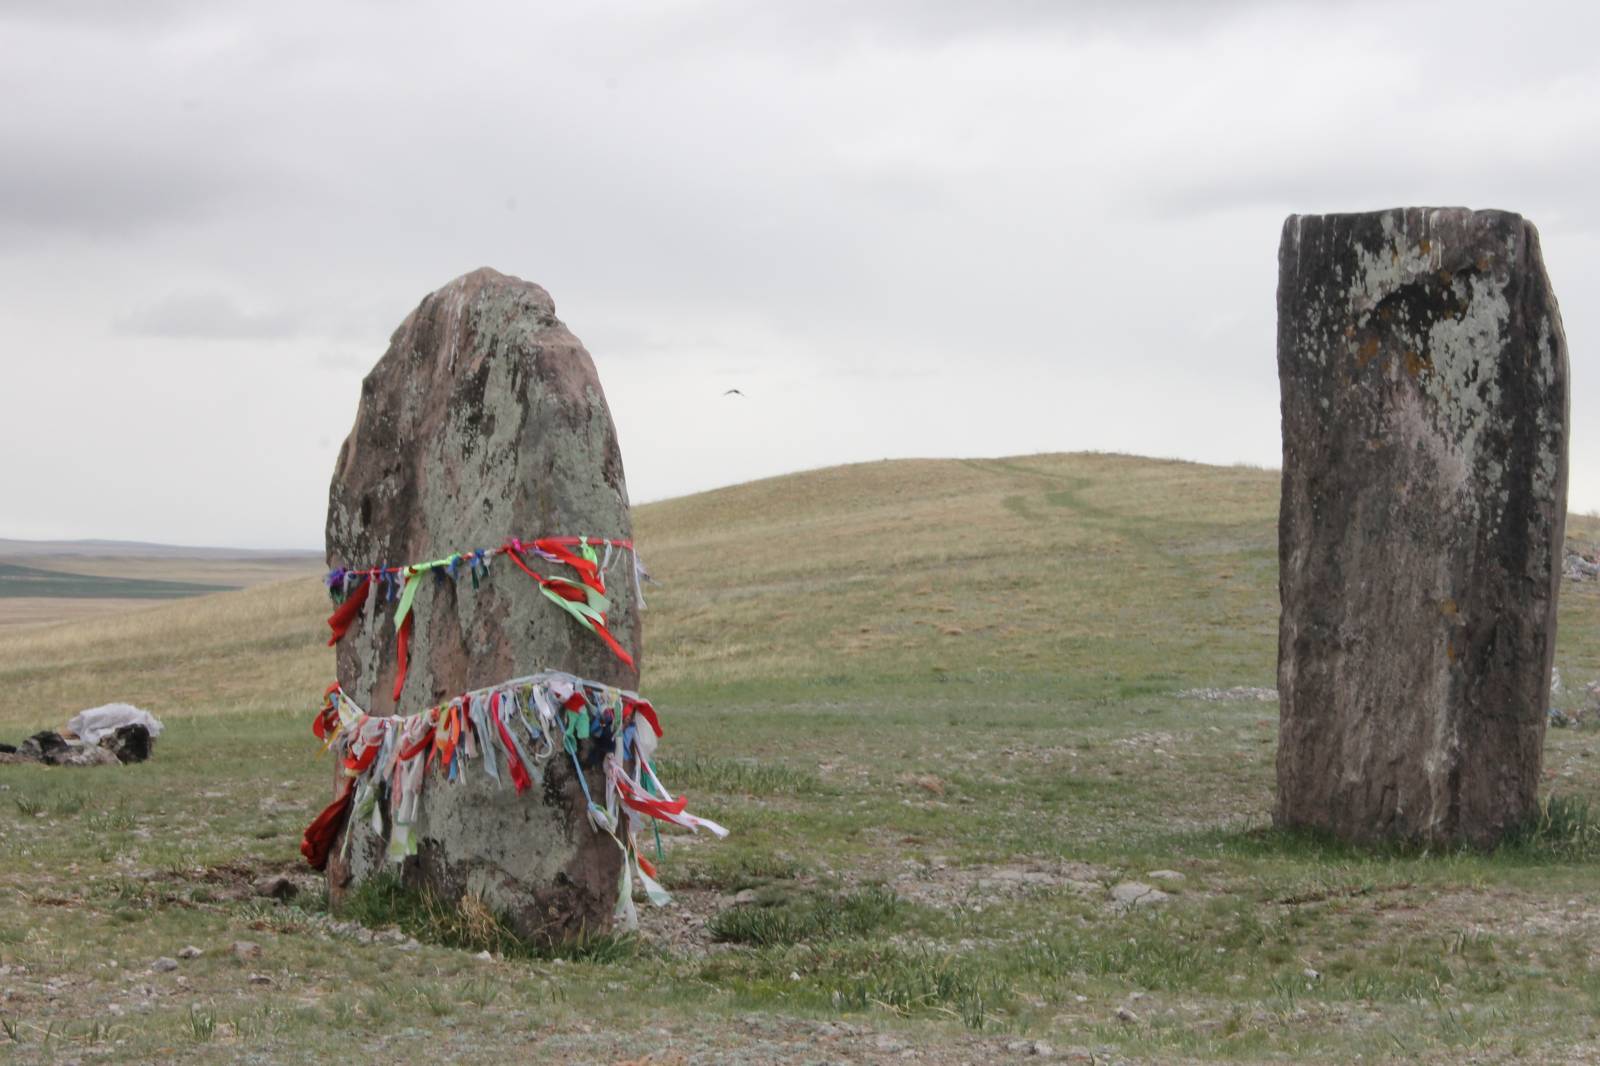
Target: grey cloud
(110,16)
(880,208)
(102,193)
(1306,186)
(937,21)
(204,316)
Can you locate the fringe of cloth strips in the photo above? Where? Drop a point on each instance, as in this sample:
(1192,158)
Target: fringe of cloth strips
(585,599)
(508,732)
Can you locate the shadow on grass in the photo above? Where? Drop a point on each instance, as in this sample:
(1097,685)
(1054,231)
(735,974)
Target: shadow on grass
(808,918)
(1566,829)
(469,925)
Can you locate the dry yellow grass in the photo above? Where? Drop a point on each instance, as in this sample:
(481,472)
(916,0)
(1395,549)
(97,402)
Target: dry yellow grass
(43,610)
(1107,568)
(241,573)
(256,649)
(237,573)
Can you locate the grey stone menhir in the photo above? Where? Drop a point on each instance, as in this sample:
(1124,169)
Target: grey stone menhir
(1423,373)
(483,421)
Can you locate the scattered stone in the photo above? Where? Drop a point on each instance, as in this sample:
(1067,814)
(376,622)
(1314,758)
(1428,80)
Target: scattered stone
(1030,1047)
(1423,376)
(164,965)
(1311,974)
(1130,894)
(52,749)
(1240,694)
(1126,1015)
(1580,567)
(129,743)
(1164,875)
(744,897)
(246,949)
(484,956)
(190,952)
(276,886)
(484,420)
(885,1042)
(259,979)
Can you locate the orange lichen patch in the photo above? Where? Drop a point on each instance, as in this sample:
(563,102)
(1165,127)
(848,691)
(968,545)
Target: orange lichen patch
(1367,352)
(1425,245)
(1416,364)
(1448,607)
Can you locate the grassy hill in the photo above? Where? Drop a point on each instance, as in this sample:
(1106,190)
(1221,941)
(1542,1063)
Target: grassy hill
(1110,574)
(1105,570)
(940,704)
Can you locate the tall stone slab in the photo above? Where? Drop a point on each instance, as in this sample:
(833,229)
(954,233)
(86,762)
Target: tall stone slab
(1423,371)
(484,421)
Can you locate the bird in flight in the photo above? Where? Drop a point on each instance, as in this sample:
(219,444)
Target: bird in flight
(733,392)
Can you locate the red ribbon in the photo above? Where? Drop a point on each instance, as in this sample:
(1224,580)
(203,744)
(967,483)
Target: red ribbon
(572,593)
(588,572)
(655,808)
(404,641)
(519,773)
(327,719)
(345,614)
(644,710)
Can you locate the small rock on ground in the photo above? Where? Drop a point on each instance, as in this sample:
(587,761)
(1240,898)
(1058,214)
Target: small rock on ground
(1137,894)
(246,949)
(190,952)
(276,886)
(1239,694)
(164,965)
(1030,1047)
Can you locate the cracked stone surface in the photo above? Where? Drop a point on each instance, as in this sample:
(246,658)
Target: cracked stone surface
(1423,375)
(484,421)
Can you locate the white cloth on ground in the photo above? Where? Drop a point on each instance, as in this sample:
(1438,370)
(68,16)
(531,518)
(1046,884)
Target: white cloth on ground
(89,726)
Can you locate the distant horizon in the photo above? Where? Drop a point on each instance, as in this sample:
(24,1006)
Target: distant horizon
(632,504)
(10,543)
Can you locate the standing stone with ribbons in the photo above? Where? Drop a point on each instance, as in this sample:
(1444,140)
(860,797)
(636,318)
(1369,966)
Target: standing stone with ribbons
(482,423)
(1423,371)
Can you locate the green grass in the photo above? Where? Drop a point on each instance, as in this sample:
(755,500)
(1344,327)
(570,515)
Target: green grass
(789,920)
(469,926)
(935,702)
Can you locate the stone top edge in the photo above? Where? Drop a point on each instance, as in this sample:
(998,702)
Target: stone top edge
(488,277)
(1487,214)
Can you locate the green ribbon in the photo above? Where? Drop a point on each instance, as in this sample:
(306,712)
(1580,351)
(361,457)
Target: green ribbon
(590,613)
(408,594)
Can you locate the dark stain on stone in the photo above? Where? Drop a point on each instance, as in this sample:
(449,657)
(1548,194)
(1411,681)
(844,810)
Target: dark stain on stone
(1374,536)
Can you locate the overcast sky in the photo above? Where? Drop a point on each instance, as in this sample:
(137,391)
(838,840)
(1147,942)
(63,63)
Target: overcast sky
(902,228)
